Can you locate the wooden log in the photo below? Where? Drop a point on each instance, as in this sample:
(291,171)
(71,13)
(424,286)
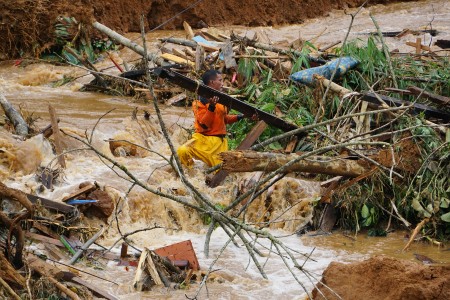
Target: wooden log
(184,42)
(16,195)
(20,126)
(250,161)
(128,43)
(57,136)
(14,230)
(249,140)
(207,92)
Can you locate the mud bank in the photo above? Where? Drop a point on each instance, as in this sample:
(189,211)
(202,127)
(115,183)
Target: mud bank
(27,27)
(384,278)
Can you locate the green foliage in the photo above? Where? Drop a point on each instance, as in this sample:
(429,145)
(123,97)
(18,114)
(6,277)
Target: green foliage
(369,202)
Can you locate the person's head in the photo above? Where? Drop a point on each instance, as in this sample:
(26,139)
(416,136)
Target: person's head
(213,79)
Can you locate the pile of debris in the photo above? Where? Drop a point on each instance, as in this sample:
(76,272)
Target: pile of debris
(376,157)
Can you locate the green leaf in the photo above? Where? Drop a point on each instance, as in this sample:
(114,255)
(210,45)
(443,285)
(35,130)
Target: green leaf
(446,217)
(365,211)
(268,107)
(445,203)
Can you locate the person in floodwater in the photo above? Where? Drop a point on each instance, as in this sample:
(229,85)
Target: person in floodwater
(210,122)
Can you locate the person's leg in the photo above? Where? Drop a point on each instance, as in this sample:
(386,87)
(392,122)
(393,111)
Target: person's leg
(207,149)
(186,153)
(204,148)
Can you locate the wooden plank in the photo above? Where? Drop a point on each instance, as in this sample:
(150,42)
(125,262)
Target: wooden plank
(182,54)
(225,37)
(291,145)
(188,30)
(232,103)
(53,205)
(55,252)
(227,51)
(429,112)
(43,268)
(180,251)
(44,229)
(87,189)
(57,136)
(146,270)
(438,99)
(208,47)
(94,288)
(189,52)
(199,57)
(177,59)
(175,99)
(212,36)
(43,239)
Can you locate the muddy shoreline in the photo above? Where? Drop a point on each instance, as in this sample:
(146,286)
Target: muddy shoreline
(28,28)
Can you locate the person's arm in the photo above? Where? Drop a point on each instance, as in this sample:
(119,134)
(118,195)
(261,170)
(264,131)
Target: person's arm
(230,119)
(204,115)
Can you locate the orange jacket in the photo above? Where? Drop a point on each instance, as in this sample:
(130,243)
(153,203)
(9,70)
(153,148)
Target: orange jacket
(211,123)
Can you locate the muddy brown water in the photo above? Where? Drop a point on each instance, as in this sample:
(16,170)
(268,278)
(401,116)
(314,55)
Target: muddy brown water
(30,88)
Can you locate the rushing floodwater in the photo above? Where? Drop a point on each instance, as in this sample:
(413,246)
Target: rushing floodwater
(28,88)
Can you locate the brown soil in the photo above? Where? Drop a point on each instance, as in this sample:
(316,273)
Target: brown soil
(27,27)
(385,278)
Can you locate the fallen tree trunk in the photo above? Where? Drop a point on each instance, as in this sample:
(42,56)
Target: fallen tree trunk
(20,126)
(128,43)
(250,161)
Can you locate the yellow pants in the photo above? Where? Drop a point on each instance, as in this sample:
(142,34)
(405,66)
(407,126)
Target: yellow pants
(204,148)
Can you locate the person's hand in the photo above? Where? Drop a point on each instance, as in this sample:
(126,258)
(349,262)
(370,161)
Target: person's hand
(254,117)
(214,100)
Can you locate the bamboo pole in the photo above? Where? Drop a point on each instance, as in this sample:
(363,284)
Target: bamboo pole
(128,43)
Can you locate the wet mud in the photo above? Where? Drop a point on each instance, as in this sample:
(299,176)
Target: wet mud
(384,278)
(28,27)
